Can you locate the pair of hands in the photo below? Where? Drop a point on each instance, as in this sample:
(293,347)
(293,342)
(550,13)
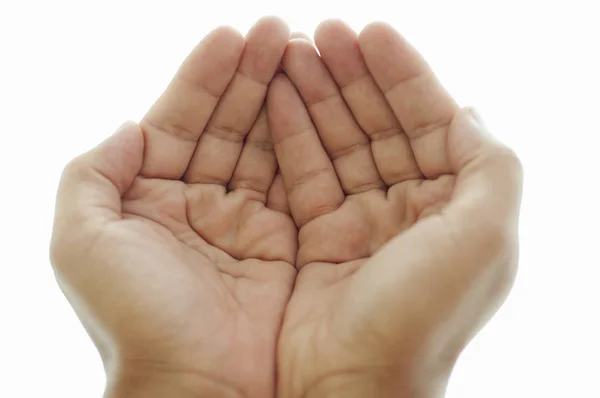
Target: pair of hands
(342,229)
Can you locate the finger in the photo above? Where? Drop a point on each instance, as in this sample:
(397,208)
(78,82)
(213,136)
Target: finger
(221,142)
(277,199)
(300,35)
(91,186)
(346,144)
(257,164)
(296,35)
(487,172)
(309,178)
(174,123)
(421,104)
(338,46)
(470,247)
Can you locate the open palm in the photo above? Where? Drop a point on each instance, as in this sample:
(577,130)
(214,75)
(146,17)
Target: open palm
(191,264)
(379,175)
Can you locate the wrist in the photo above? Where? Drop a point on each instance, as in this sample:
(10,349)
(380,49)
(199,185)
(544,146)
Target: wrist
(389,386)
(349,387)
(153,384)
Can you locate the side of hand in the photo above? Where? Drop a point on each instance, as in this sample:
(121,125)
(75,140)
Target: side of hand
(407,213)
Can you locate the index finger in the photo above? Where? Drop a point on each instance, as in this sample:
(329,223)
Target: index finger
(421,104)
(174,123)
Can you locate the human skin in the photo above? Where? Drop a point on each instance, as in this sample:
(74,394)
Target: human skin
(178,244)
(168,239)
(407,212)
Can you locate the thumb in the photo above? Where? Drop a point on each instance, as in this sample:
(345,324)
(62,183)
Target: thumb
(457,265)
(92,184)
(488,174)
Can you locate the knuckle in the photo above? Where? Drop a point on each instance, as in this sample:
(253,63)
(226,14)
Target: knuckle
(226,133)
(314,212)
(73,166)
(422,130)
(170,127)
(509,159)
(76,168)
(250,184)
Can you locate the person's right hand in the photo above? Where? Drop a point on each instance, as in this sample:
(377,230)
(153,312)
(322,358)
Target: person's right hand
(407,214)
(168,241)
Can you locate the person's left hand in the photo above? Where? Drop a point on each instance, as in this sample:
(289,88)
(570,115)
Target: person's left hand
(407,212)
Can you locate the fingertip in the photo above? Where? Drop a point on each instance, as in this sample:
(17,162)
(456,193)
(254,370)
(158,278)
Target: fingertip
(324,27)
(132,133)
(131,129)
(296,51)
(375,37)
(328,23)
(274,21)
(490,174)
(225,46)
(374,29)
(265,45)
(298,44)
(227,35)
(476,116)
(269,32)
(126,125)
(300,35)
(470,115)
(273,27)
(222,47)
(469,139)
(124,149)
(118,158)
(330,30)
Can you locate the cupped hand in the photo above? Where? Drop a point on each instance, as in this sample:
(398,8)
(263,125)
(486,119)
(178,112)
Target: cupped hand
(407,214)
(169,240)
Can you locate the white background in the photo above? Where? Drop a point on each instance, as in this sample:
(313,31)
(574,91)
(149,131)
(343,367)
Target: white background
(71,72)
